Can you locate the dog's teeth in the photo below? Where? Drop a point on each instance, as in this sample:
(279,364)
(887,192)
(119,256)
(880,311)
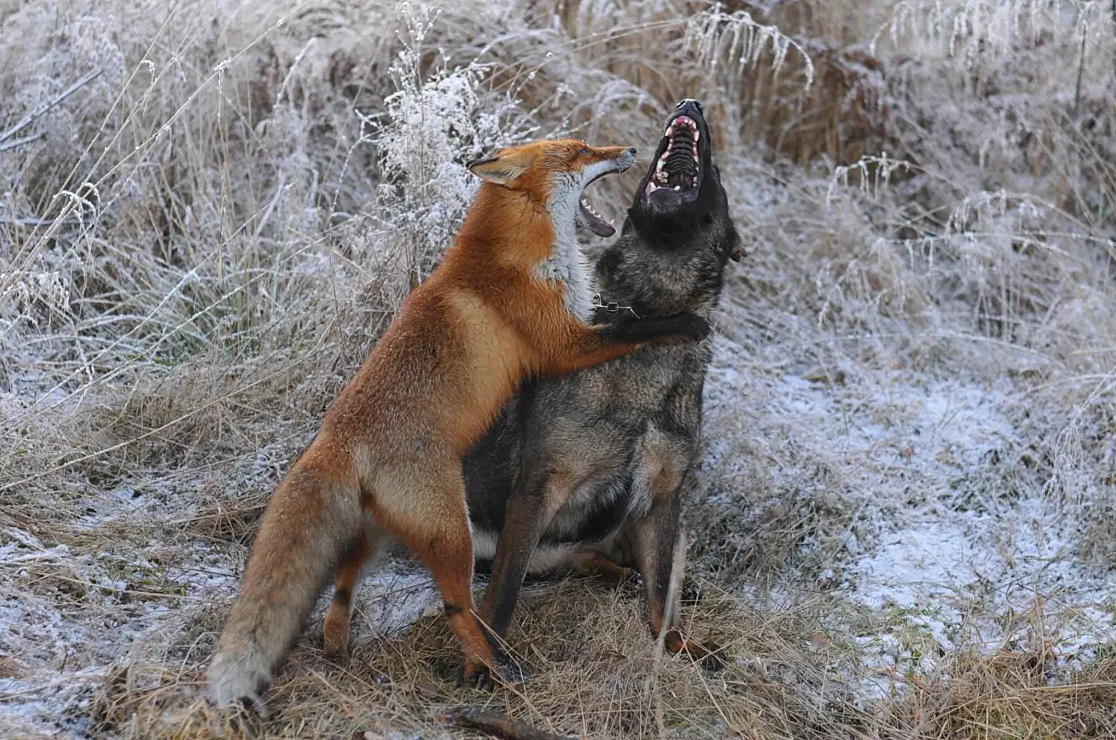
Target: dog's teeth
(677,187)
(697,134)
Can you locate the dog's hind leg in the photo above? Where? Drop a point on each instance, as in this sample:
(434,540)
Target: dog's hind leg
(361,556)
(660,552)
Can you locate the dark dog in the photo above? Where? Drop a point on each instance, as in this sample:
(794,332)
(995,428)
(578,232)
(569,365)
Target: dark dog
(589,471)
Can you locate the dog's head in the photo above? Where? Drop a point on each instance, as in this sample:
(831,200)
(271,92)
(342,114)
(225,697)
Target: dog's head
(679,234)
(681,197)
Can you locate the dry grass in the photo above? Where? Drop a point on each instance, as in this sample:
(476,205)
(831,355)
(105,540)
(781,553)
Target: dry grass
(596,675)
(210,211)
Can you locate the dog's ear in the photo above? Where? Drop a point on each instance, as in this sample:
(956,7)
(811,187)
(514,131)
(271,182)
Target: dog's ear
(735,248)
(503,168)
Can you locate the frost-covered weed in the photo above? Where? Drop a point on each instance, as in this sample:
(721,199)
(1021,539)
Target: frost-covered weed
(434,123)
(717,37)
(199,246)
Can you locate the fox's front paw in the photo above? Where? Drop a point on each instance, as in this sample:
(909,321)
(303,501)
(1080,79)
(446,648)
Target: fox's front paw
(511,671)
(486,678)
(478,676)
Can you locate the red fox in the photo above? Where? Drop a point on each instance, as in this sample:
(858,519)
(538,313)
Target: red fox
(510,300)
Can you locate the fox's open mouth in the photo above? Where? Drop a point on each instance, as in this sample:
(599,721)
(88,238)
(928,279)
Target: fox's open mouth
(597,223)
(589,216)
(678,167)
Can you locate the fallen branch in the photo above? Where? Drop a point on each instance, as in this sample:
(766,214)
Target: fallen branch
(19,142)
(42,109)
(497,725)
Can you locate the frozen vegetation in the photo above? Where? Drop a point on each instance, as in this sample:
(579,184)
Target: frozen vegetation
(904,520)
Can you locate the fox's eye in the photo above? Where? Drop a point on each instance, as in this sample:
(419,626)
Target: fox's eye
(584,150)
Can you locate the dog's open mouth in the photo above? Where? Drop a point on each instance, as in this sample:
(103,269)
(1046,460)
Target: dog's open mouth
(678,168)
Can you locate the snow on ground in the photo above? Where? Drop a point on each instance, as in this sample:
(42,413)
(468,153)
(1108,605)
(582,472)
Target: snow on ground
(949,546)
(943,544)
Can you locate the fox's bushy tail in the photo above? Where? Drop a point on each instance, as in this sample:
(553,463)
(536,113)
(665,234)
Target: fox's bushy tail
(312,517)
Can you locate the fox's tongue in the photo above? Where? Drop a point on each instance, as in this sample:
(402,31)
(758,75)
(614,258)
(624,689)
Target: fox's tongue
(594,220)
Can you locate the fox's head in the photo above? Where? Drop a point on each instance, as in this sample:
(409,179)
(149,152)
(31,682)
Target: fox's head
(555,173)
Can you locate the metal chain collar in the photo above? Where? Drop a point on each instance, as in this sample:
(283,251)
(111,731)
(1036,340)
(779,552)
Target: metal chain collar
(599,304)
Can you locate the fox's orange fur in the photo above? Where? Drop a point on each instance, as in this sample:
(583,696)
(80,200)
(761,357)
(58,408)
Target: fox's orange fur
(504,304)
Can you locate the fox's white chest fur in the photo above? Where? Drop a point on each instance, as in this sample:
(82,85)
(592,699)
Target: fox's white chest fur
(567,264)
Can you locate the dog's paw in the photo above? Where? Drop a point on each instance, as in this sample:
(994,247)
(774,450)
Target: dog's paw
(709,655)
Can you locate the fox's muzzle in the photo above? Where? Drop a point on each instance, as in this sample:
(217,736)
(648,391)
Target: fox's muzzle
(626,159)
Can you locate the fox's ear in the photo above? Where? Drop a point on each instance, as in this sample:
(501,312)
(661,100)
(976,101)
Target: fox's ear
(502,170)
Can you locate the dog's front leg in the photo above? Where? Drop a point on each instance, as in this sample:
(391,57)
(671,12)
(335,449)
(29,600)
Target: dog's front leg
(534,500)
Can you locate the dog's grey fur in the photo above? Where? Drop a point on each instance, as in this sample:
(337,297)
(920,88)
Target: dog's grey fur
(597,463)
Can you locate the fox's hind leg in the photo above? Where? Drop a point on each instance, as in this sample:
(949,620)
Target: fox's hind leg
(427,512)
(360,557)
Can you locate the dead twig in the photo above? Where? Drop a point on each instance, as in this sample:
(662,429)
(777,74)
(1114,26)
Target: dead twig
(497,725)
(43,109)
(19,142)
(1080,70)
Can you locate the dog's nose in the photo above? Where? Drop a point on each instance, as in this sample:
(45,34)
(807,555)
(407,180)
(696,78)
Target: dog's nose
(689,105)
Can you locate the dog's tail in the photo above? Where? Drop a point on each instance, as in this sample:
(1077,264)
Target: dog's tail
(313,515)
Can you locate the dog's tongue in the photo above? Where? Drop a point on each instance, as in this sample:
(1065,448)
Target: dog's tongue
(594,220)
